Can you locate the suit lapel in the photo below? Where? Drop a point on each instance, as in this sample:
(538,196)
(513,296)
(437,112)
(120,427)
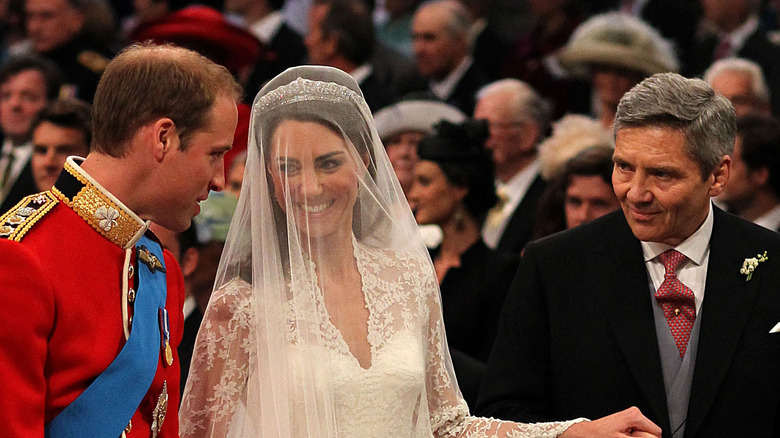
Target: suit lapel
(728,299)
(618,271)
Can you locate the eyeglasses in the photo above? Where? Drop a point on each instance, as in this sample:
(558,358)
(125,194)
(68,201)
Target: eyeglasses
(499,127)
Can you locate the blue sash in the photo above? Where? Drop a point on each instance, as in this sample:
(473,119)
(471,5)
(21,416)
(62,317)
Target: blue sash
(108,404)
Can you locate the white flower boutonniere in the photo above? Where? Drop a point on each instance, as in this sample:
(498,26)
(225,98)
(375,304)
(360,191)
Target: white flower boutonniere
(750,265)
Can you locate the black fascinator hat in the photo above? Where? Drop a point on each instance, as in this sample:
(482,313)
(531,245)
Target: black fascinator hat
(459,151)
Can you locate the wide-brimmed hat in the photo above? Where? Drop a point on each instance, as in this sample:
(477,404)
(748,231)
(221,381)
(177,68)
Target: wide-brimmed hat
(415,115)
(571,134)
(617,40)
(206,31)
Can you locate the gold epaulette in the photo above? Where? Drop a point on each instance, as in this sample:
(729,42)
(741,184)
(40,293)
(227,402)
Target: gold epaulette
(16,222)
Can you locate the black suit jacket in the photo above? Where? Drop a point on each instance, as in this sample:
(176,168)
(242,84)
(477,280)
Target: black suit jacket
(23,186)
(285,50)
(518,230)
(577,336)
(377,94)
(463,96)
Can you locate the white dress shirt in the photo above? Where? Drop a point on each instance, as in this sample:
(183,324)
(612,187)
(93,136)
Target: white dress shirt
(693,271)
(266,28)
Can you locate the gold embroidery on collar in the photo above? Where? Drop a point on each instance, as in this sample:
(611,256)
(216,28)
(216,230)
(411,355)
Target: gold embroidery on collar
(15,223)
(100,212)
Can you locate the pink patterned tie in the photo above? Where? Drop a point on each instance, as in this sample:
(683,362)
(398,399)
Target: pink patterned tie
(676,300)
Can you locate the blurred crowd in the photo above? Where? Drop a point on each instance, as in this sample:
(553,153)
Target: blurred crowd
(533,86)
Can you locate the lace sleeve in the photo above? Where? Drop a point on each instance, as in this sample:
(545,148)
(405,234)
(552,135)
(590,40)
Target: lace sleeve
(220,363)
(449,413)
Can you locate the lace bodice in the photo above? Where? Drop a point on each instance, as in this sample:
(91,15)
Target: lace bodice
(406,391)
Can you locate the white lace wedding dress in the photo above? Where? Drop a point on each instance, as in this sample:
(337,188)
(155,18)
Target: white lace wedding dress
(407,391)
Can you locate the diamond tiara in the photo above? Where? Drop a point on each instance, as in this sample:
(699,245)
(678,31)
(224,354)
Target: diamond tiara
(303,90)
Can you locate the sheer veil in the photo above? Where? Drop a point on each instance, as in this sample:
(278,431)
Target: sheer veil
(263,359)
(325,319)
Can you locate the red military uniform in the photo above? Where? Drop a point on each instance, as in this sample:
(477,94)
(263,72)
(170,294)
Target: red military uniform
(67,307)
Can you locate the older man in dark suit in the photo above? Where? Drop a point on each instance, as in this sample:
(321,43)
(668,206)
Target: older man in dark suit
(668,305)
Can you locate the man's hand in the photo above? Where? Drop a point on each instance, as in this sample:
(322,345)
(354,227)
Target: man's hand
(628,423)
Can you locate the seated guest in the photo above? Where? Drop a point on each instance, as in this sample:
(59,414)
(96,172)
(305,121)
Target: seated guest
(401,127)
(62,129)
(341,35)
(742,82)
(581,192)
(442,52)
(615,52)
(753,191)
(453,188)
(27,84)
(735,29)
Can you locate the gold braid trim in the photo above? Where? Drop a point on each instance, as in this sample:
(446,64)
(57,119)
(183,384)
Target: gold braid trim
(99,211)
(16,222)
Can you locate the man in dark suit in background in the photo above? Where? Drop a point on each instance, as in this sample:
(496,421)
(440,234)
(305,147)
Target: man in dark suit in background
(665,305)
(27,84)
(283,46)
(517,117)
(341,35)
(753,191)
(442,51)
(736,31)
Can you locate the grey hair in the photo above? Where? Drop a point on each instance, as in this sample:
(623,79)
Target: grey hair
(524,101)
(458,18)
(705,118)
(741,65)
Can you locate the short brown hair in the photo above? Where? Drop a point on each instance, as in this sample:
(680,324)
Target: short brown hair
(146,82)
(67,113)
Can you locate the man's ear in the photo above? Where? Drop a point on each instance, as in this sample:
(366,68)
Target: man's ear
(189,261)
(720,176)
(165,137)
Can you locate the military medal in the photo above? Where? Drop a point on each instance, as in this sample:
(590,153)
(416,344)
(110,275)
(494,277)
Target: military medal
(150,260)
(166,337)
(158,415)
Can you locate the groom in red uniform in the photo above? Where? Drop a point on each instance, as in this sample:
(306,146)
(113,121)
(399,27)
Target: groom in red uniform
(92,306)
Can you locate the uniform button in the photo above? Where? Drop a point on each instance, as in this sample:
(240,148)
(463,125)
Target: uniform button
(676,311)
(129,426)
(130,271)
(131,295)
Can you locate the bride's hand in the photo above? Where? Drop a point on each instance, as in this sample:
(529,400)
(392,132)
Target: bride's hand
(628,423)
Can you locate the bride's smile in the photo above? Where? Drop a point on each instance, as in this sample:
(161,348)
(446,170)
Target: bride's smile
(314,177)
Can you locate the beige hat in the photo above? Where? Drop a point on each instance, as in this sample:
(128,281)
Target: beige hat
(415,115)
(570,135)
(617,40)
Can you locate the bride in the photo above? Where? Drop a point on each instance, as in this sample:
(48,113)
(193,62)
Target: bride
(326,320)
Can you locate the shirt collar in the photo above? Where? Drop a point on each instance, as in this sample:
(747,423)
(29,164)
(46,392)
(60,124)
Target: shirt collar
(738,36)
(266,28)
(694,247)
(444,88)
(518,185)
(361,73)
(97,206)
(770,219)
